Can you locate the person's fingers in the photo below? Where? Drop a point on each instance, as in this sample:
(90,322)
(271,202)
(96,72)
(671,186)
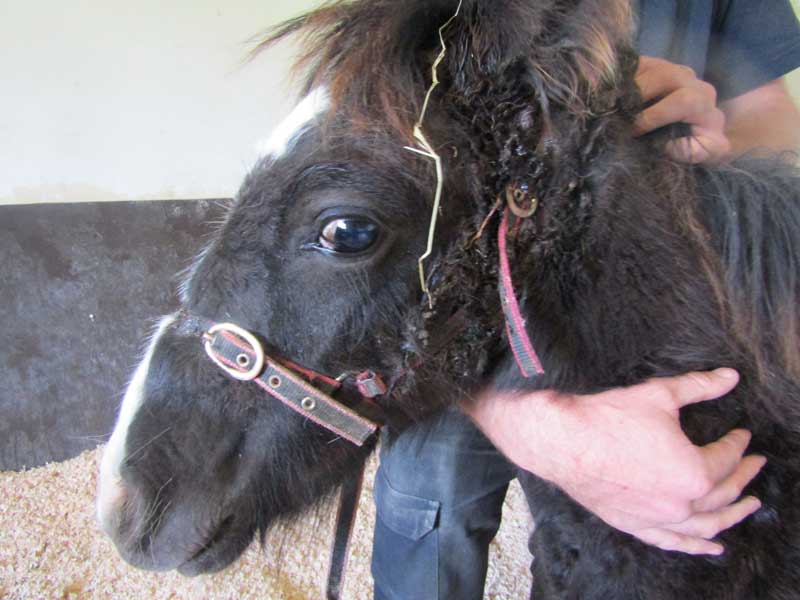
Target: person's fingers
(701,386)
(693,105)
(669,513)
(682,105)
(656,78)
(678,542)
(722,457)
(709,524)
(710,121)
(688,150)
(731,488)
(701,147)
(660,114)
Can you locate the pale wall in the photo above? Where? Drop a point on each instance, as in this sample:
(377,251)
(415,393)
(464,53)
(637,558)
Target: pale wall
(112,99)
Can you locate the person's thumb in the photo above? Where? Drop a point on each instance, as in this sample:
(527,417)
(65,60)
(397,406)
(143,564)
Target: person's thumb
(701,386)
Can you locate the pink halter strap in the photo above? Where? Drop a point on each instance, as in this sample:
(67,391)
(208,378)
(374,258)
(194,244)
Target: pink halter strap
(524,353)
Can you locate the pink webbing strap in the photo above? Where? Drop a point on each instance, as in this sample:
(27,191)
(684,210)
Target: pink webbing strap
(526,357)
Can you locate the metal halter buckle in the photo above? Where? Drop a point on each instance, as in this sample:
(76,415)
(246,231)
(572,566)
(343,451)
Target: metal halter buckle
(256,364)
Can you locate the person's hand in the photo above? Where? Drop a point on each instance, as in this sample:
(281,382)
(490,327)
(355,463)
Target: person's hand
(682,97)
(623,456)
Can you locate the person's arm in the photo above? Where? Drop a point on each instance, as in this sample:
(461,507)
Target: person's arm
(765,117)
(623,456)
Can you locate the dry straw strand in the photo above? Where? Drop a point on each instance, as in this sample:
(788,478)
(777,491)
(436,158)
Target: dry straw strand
(429,152)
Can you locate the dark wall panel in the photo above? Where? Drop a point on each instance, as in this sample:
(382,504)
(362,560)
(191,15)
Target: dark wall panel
(81,286)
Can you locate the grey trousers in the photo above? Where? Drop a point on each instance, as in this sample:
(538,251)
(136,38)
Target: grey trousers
(439,494)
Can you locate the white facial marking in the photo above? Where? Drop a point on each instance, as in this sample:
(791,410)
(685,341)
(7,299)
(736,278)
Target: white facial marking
(295,124)
(188,274)
(110,492)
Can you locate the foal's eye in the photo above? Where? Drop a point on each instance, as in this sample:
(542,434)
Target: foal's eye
(348,235)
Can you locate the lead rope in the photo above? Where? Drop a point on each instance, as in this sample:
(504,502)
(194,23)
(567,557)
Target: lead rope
(343,534)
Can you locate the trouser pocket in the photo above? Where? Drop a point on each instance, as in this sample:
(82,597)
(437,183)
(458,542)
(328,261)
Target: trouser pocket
(405,555)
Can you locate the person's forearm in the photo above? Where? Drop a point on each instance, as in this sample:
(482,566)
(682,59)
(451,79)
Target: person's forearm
(515,424)
(763,119)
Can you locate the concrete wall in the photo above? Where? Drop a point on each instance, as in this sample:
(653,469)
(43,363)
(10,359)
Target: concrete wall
(111,100)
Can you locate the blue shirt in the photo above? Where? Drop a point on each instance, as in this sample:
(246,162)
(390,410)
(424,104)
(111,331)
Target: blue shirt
(736,45)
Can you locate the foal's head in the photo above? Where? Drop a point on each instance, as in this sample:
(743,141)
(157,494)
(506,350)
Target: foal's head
(319,256)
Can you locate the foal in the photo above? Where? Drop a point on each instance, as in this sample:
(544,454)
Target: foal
(627,266)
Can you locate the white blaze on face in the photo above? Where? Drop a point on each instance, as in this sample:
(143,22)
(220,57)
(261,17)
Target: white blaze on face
(295,124)
(110,493)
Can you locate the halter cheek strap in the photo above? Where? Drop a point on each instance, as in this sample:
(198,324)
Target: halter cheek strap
(238,353)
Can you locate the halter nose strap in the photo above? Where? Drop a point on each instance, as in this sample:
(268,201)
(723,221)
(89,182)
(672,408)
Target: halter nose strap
(240,354)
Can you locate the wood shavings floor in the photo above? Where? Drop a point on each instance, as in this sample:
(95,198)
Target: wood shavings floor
(51,548)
